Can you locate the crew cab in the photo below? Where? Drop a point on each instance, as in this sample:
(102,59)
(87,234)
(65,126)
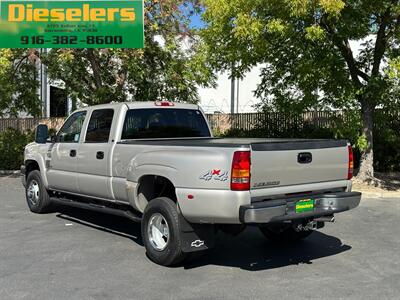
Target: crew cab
(158,163)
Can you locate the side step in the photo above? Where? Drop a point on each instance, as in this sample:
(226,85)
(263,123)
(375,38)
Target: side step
(121,210)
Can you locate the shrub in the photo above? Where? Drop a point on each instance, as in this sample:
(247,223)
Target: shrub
(12,143)
(387,142)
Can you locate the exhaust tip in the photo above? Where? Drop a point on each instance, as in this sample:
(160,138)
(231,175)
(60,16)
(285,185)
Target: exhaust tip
(330,219)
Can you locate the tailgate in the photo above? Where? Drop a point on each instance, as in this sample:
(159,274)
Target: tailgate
(286,163)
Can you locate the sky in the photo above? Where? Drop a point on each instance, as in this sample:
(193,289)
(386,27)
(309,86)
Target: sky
(197,22)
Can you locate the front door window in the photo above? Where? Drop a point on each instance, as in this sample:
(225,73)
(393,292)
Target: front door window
(71,131)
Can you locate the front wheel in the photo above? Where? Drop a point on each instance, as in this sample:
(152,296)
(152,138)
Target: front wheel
(36,194)
(284,233)
(161,232)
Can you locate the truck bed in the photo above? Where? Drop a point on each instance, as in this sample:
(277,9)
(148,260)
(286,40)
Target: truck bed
(256,144)
(277,162)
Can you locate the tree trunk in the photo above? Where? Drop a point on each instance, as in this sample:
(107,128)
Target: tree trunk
(367,158)
(95,68)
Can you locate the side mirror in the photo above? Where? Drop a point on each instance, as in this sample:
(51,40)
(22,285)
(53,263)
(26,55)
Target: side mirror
(41,134)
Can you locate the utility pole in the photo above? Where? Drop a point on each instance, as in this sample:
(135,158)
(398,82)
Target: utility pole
(232,95)
(237,95)
(44,93)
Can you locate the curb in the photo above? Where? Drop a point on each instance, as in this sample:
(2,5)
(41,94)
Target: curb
(382,195)
(9,172)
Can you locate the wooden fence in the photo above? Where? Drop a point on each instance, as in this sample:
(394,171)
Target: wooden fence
(274,122)
(219,122)
(29,124)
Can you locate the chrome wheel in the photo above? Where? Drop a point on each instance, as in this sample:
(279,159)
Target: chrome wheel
(33,192)
(158,232)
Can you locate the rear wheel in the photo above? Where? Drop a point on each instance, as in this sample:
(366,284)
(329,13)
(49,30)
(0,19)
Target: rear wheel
(284,232)
(36,194)
(161,232)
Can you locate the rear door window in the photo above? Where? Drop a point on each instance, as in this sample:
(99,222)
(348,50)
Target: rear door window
(99,127)
(164,123)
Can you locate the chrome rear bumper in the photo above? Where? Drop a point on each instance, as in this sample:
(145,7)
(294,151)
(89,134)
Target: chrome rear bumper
(285,209)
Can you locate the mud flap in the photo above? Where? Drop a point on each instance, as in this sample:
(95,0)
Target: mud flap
(196,237)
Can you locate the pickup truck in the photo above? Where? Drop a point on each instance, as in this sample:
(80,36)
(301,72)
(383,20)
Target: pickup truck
(158,163)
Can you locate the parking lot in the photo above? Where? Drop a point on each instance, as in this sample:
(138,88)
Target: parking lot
(76,254)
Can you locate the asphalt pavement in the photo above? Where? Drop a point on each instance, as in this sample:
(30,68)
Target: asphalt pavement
(77,254)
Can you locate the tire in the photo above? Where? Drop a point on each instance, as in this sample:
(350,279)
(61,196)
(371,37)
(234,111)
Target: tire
(284,233)
(161,215)
(36,194)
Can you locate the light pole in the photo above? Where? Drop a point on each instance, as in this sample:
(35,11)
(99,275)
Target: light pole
(44,92)
(232,94)
(237,95)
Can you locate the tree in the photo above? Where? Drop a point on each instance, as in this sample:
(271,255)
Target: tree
(170,67)
(308,48)
(18,82)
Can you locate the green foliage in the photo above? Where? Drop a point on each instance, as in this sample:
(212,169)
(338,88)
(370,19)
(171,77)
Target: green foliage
(362,142)
(12,144)
(306,48)
(216,132)
(387,141)
(18,82)
(332,7)
(276,26)
(304,64)
(347,127)
(315,33)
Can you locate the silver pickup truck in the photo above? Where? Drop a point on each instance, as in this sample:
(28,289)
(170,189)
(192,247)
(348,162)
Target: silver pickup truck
(157,163)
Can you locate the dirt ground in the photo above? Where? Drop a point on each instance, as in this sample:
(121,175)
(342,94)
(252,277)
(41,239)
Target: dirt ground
(386,183)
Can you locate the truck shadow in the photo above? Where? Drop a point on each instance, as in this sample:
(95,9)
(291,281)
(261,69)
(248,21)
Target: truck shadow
(104,222)
(249,251)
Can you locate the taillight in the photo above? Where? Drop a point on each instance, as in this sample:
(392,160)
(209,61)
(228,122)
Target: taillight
(240,176)
(351,164)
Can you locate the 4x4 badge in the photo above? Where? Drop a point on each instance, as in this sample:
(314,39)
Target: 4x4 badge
(215,174)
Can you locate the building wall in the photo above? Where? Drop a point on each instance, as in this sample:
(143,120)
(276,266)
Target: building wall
(219,99)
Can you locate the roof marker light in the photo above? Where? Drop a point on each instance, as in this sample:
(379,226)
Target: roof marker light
(164,103)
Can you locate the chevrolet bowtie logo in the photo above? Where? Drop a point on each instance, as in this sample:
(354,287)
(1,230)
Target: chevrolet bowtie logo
(197,243)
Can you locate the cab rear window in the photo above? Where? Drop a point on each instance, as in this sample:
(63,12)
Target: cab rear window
(164,123)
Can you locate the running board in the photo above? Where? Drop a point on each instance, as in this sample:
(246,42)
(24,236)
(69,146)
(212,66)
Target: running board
(99,208)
